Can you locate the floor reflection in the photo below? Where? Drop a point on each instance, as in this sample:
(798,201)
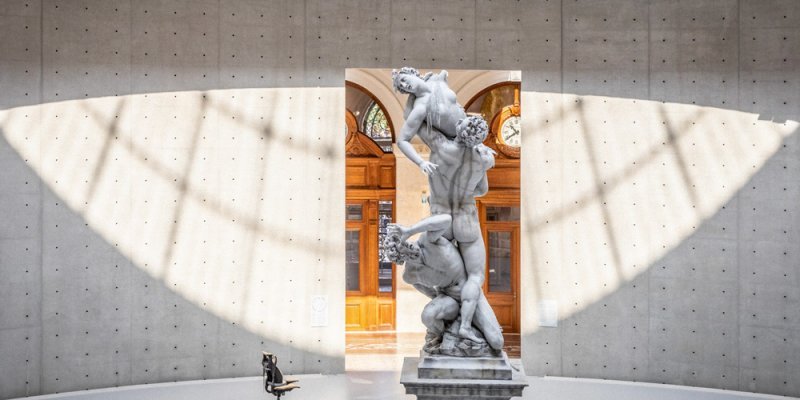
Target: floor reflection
(384,351)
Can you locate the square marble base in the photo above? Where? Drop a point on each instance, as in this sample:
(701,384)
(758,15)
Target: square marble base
(451,389)
(448,367)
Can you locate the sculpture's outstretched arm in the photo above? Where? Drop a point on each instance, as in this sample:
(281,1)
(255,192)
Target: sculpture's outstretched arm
(412,126)
(409,105)
(407,132)
(483,187)
(433,226)
(487,162)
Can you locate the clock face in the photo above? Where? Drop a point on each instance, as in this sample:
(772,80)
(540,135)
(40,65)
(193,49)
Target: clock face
(510,131)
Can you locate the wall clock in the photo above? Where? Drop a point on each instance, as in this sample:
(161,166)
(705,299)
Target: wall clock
(506,132)
(510,131)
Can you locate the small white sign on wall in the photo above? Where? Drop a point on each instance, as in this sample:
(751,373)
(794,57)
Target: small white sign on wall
(319,311)
(548,313)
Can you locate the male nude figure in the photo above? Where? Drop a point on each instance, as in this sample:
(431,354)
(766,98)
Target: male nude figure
(460,178)
(434,266)
(433,113)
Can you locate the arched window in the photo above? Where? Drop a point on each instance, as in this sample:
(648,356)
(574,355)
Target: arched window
(376,126)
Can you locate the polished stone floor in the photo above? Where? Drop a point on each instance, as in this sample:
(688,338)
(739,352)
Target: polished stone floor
(386,386)
(384,351)
(374,361)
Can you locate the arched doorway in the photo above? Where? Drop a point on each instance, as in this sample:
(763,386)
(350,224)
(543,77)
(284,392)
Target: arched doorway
(370,201)
(369,345)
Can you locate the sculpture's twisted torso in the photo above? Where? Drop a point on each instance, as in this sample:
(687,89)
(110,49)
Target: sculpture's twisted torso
(439,269)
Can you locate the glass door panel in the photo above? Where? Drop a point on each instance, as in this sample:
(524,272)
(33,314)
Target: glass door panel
(500,247)
(385,267)
(502,213)
(354,212)
(353,260)
(500,225)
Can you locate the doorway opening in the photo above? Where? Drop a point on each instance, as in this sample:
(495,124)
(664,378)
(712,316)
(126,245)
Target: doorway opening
(382,313)
(370,199)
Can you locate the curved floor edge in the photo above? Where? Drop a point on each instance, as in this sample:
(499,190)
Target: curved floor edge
(385,385)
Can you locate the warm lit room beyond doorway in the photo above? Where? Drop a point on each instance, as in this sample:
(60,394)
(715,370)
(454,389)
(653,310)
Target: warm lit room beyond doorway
(383,186)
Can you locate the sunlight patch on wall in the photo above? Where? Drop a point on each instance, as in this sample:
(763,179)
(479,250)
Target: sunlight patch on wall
(614,184)
(233,199)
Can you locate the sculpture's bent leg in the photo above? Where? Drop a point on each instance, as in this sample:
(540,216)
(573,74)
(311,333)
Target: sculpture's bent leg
(474,256)
(438,310)
(434,314)
(486,321)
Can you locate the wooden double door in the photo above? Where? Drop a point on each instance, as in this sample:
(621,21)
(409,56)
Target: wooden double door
(500,227)
(369,277)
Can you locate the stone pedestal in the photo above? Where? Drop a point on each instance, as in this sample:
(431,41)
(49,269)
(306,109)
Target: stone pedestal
(448,367)
(443,377)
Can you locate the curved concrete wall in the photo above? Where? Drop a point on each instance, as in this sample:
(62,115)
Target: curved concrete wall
(172,183)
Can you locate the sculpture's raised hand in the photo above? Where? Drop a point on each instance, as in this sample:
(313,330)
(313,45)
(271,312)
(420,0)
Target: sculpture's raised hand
(428,168)
(399,230)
